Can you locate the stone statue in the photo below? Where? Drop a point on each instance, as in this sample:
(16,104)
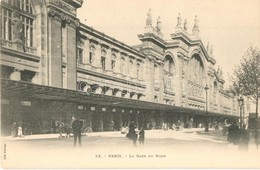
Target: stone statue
(179,20)
(218,71)
(211,49)
(185,25)
(149,18)
(17,26)
(196,22)
(159,24)
(208,47)
(221,72)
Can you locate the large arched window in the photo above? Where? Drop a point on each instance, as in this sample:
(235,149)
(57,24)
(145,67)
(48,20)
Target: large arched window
(169,68)
(197,70)
(17,19)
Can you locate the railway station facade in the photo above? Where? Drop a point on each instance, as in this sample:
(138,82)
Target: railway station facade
(53,68)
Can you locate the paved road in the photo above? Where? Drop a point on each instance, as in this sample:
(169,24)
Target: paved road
(167,149)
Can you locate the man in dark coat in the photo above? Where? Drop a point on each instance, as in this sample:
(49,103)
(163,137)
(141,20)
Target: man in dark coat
(141,136)
(234,133)
(76,126)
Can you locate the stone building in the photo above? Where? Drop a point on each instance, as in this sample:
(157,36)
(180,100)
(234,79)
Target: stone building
(54,67)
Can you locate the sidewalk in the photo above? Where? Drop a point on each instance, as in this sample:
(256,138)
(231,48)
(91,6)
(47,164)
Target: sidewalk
(102,134)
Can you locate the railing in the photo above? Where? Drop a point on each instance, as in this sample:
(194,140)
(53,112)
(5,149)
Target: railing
(6,43)
(10,44)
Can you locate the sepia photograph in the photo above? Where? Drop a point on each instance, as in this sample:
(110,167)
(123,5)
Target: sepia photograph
(130,84)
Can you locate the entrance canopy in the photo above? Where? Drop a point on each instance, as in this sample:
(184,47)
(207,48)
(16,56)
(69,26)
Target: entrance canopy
(19,89)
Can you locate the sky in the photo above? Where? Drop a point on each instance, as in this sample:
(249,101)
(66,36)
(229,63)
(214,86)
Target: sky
(230,26)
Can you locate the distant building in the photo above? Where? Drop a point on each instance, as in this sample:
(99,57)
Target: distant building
(54,67)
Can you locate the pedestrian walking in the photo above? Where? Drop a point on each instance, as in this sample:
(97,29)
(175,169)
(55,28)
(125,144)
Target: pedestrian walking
(76,126)
(141,136)
(60,129)
(244,139)
(14,130)
(131,132)
(233,133)
(20,131)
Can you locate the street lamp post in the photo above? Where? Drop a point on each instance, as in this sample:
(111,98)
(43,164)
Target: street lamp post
(241,103)
(207,121)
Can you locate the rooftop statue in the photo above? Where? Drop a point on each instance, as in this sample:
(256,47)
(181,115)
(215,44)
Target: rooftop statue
(211,49)
(196,22)
(208,47)
(149,18)
(218,72)
(221,72)
(185,25)
(179,20)
(159,24)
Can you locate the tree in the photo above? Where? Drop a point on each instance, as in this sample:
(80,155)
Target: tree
(246,79)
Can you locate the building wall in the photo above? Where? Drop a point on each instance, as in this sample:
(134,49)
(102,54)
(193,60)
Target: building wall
(68,54)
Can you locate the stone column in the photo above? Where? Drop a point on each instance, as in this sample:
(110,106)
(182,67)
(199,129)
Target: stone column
(16,75)
(127,65)
(108,59)
(54,52)
(149,78)
(71,53)
(178,83)
(134,71)
(118,63)
(97,59)
(86,52)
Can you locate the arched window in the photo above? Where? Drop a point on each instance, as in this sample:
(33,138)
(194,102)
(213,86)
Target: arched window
(169,68)
(113,62)
(91,54)
(131,68)
(196,70)
(122,69)
(169,64)
(103,59)
(80,55)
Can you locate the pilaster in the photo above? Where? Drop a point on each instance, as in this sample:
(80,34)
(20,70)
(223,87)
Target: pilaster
(86,52)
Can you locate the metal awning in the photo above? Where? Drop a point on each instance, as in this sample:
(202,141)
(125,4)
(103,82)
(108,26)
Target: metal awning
(20,89)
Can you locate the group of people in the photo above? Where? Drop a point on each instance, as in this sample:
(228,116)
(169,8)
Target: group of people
(133,134)
(76,127)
